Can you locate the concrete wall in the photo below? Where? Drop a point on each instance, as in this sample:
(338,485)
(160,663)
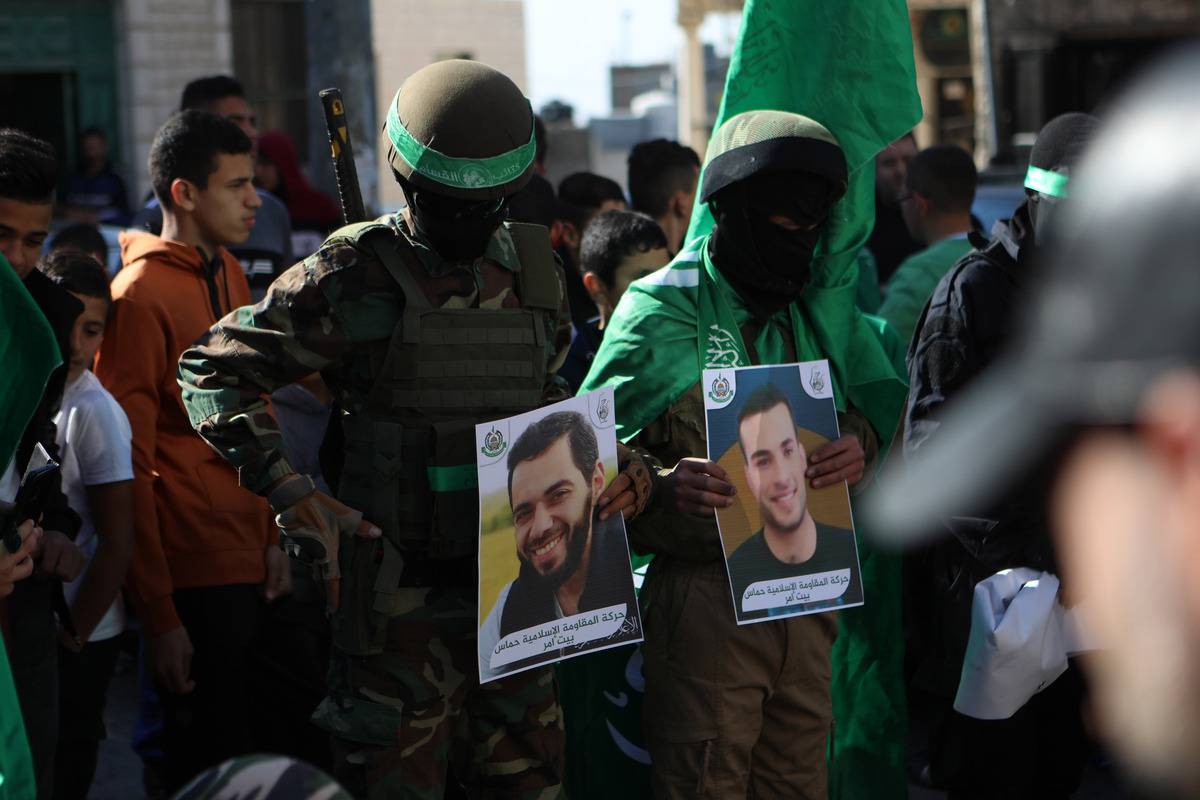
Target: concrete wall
(161,45)
(409,34)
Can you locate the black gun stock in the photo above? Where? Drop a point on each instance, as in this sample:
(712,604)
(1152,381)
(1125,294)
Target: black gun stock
(342,153)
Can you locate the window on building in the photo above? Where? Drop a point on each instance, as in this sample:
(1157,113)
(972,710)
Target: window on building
(270,58)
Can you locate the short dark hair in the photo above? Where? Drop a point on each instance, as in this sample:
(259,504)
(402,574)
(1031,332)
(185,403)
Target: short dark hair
(28,167)
(615,235)
(82,236)
(760,401)
(541,435)
(582,193)
(535,203)
(201,93)
(187,147)
(945,175)
(77,272)
(657,170)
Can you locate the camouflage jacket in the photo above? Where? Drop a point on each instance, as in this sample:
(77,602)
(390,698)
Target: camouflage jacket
(332,313)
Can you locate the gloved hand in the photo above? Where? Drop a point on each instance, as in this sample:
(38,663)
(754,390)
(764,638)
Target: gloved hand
(630,491)
(314,525)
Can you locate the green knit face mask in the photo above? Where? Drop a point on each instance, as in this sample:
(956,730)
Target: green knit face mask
(460,173)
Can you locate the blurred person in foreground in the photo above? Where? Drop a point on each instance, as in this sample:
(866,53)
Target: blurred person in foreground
(969,319)
(208,576)
(890,241)
(618,248)
(28,175)
(1102,392)
(938,191)
(93,438)
(662,183)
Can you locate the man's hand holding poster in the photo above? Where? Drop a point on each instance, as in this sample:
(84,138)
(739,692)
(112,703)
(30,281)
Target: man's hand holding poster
(789,548)
(554,579)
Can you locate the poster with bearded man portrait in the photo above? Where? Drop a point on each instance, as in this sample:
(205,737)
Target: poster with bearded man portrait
(554,578)
(789,548)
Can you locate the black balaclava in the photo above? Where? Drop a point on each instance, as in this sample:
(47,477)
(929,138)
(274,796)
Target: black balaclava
(1059,145)
(766,264)
(457,230)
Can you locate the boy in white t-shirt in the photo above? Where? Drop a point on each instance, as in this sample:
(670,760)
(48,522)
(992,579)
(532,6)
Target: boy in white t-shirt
(97,477)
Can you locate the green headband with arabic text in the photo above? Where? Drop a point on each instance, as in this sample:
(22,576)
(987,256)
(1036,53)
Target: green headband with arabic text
(461,173)
(1046,182)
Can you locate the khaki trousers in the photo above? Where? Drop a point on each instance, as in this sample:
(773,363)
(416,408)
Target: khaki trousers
(732,711)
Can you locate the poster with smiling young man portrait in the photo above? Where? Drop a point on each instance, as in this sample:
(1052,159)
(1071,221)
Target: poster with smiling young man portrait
(554,573)
(789,547)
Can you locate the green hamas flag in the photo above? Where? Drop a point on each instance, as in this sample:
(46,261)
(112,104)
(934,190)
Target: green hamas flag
(28,354)
(849,67)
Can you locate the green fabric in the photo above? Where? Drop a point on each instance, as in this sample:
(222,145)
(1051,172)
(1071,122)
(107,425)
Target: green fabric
(869,296)
(914,281)
(461,173)
(16,763)
(452,479)
(601,697)
(849,66)
(1046,182)
(28,354)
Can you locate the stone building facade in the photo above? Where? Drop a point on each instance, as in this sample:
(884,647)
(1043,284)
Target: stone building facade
(991,72)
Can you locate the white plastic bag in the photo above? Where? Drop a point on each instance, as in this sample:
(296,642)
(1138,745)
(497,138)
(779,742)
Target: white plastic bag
(1018,643)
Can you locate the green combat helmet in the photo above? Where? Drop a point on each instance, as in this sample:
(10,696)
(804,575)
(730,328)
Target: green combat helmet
(461,129)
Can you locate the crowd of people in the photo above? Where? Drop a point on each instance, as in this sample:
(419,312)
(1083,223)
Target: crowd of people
(261,481)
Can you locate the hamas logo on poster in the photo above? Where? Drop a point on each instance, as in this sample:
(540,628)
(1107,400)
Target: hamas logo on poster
(817,382)
(721,391)
(493,443)
(602,410)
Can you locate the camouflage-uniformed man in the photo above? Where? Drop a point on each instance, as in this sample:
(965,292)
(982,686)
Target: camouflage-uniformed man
(422,325)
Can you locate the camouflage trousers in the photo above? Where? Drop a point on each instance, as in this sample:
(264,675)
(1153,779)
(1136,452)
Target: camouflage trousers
(402,719)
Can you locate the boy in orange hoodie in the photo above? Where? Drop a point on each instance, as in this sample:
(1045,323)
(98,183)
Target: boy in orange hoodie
(206,551)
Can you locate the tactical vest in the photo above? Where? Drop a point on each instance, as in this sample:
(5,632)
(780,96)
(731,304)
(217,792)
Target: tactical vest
(410,453)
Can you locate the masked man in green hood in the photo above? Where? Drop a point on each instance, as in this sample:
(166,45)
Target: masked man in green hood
(422,324)
(731,711)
